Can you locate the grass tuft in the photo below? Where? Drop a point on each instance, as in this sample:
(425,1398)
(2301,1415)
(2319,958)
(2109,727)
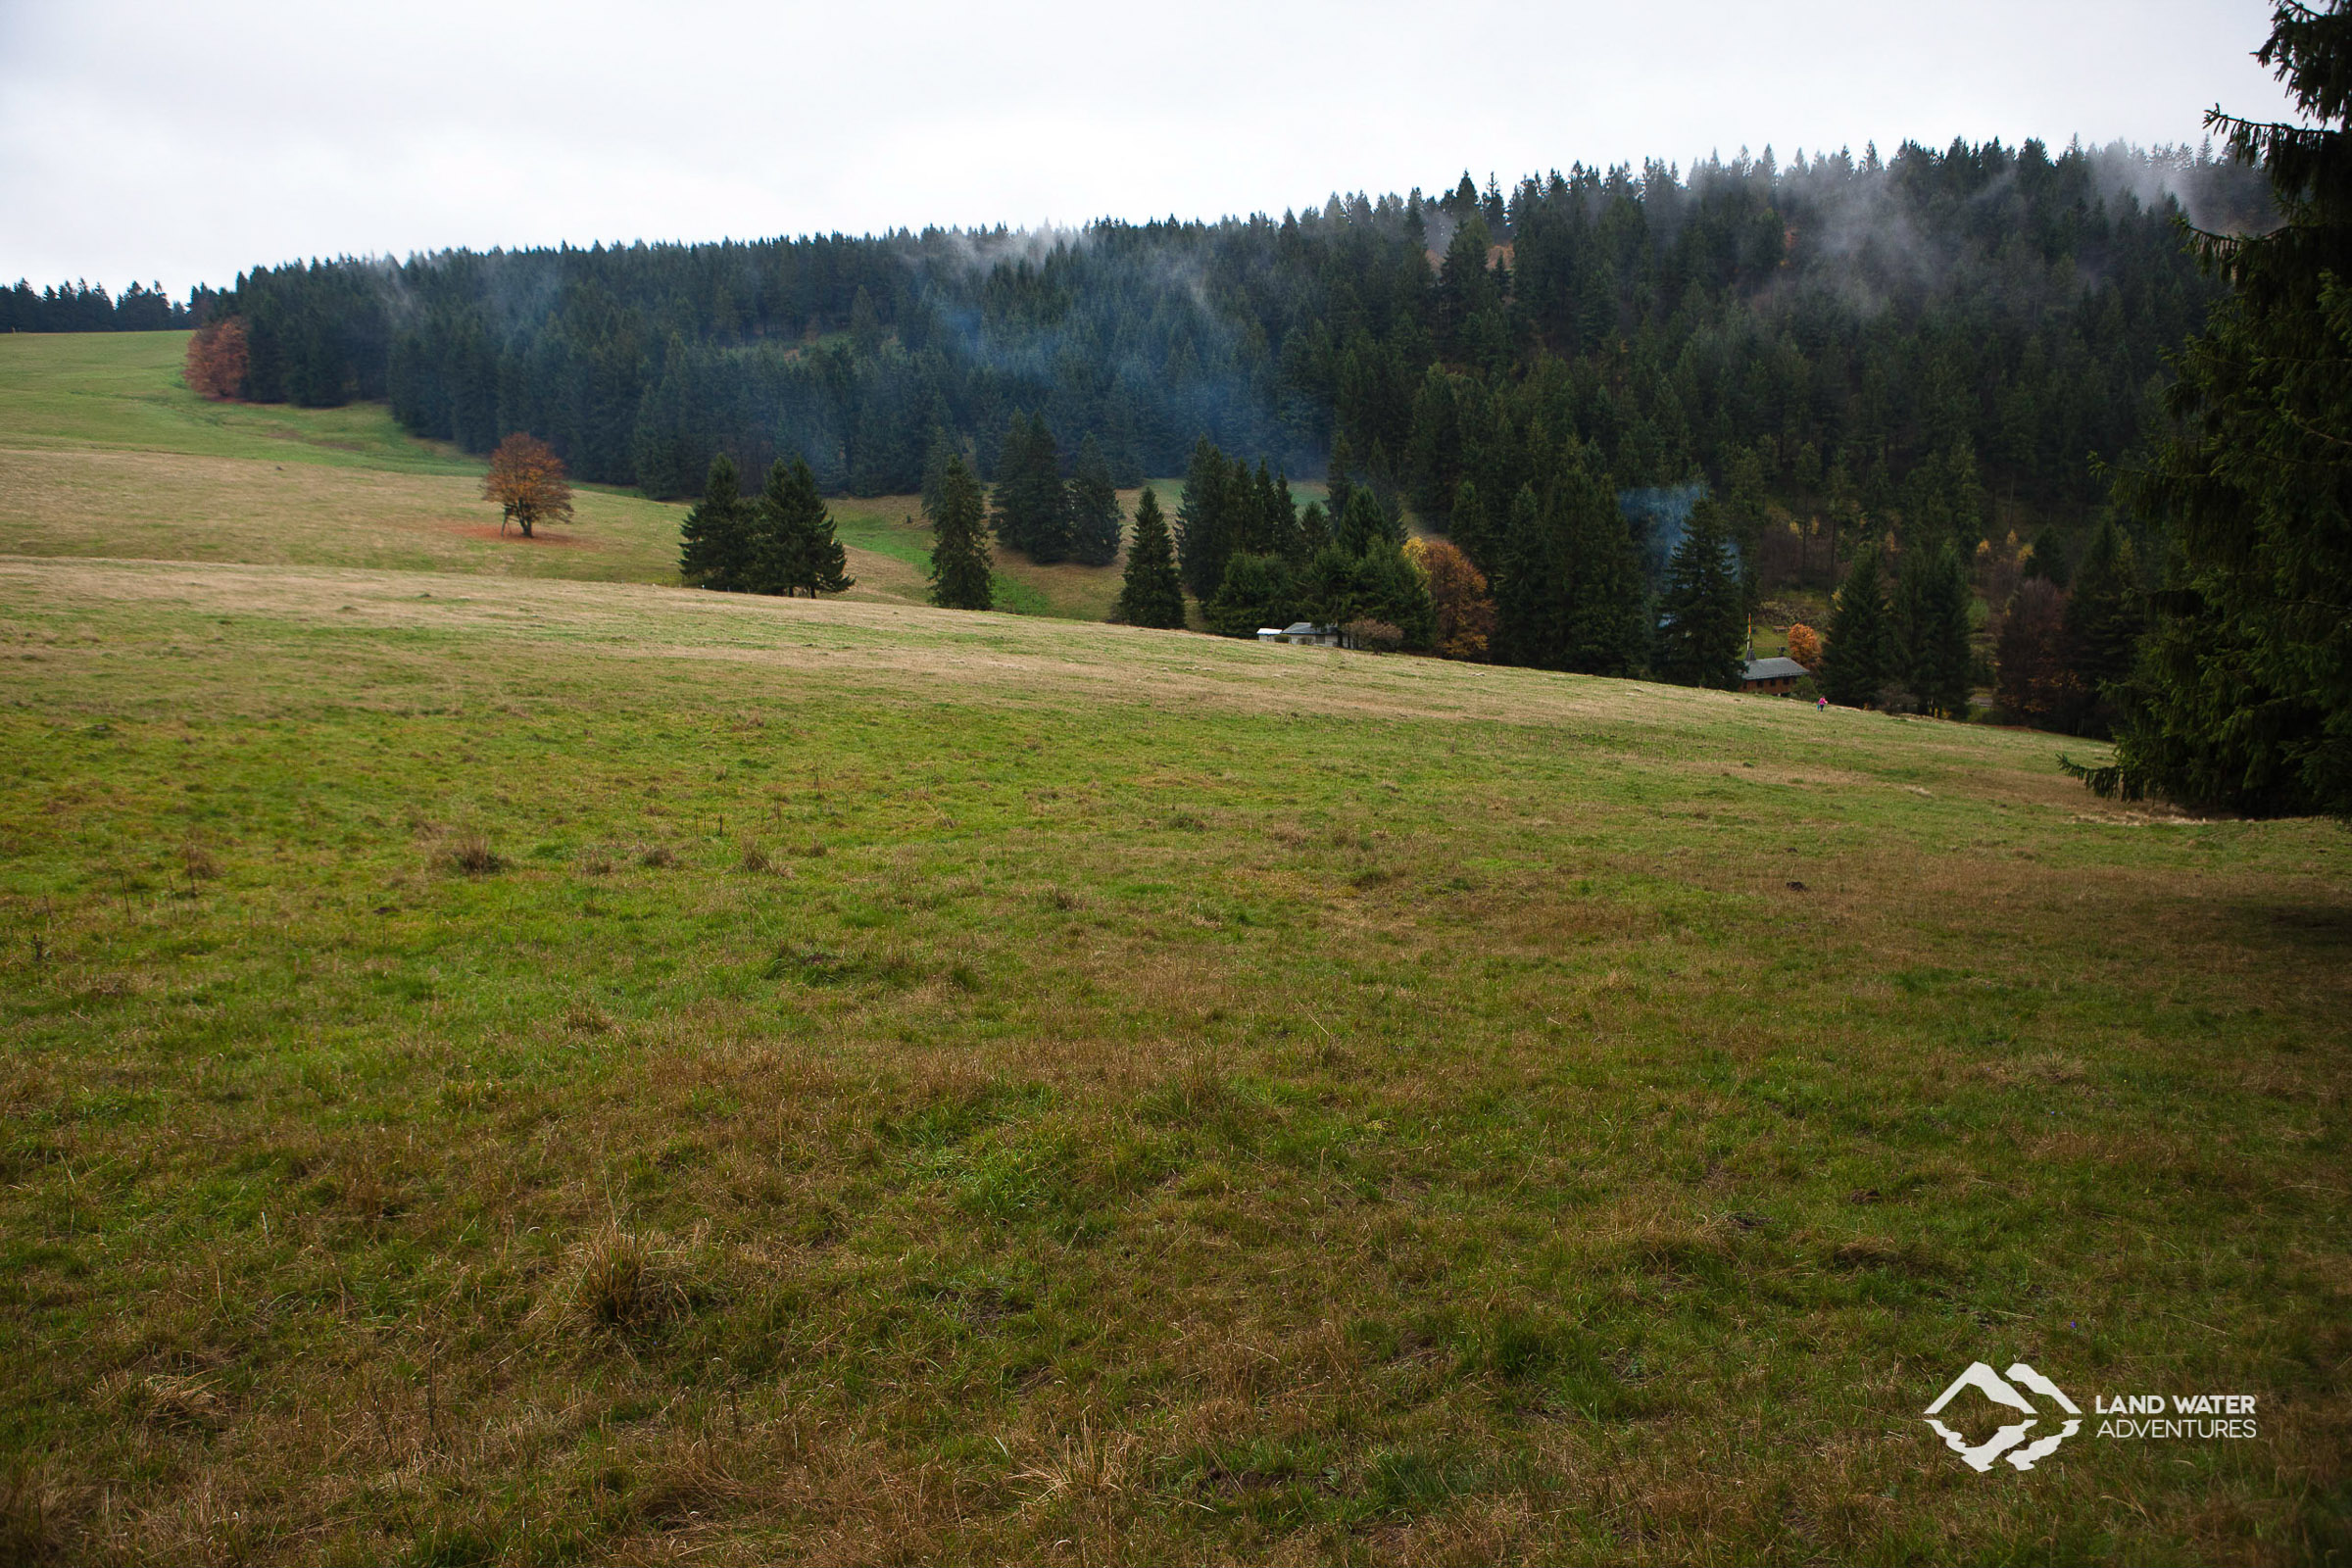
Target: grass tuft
(622,1281)
(164,1401)
(37,1516)
(469,855)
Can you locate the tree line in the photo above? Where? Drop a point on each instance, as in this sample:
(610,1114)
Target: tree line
(1923,338)
(1879,368)
(85,307)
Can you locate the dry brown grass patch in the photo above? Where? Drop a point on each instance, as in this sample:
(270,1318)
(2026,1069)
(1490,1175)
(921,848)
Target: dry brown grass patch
(164,1402)
(469,855)
(621,1281)
(37,1516)
(1086,1466)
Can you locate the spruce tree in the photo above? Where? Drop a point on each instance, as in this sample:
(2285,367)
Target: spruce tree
(714,546)
(2104,620)
(1257,592)
(1855,662)
(1389,588)
(1203,520)
(1050,532)
(936,454)
(2242,697)
(1607,627)
(1471,529)
(1032,506)
(1703,620)
(1314,529)
(1095,522)
(1929,617)
(2048,560)
(1153,592)
(1277,522)
(1366,523)
(776,544)
(961,572)
(796,548)
(827,562)
(1531,597)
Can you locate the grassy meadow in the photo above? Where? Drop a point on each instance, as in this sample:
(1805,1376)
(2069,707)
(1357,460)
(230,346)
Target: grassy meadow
(512,1064)
(104,452)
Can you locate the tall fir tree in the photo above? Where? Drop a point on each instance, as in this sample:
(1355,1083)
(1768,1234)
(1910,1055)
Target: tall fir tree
(1854,665)
(1471,529)
(1031,505)
(962,574)
(1314,530)
(935,453)
(796,550)
(714,541)
(1095,521)
(1702,621)
(1203,520)
(1153,592)
(2105,619)
(776,544)
(1530,600)
(1273,528)
(2048,560)
(1257,592)
(1366,522)
(1929,619)
(1607,625)
(2242,696)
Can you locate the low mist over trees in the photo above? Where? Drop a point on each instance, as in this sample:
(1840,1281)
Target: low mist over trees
(1925,335)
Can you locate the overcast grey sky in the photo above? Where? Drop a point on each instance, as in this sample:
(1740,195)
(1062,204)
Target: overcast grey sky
(183,142)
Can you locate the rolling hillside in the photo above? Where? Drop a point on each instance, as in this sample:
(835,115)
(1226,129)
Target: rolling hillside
(504,1061)
(104,453)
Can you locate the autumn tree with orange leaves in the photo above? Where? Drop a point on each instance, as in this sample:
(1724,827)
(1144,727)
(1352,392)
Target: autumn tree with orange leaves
(526,478)
(1805,645)
(216,364)
(1458,590)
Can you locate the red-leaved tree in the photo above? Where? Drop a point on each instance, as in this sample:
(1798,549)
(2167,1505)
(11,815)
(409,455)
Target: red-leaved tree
(216,365)
(526,479)
(1458,590)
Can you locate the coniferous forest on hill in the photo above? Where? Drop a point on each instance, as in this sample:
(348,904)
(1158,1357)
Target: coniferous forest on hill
(1923,336)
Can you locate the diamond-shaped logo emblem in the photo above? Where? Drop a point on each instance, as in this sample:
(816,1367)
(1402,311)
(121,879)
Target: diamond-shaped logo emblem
(2005,1391)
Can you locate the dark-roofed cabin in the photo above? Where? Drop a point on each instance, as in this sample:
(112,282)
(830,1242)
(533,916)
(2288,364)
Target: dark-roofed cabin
(1774,675)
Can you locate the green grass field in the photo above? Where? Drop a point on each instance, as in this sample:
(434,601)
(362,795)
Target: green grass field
(103,452)
(509,1066)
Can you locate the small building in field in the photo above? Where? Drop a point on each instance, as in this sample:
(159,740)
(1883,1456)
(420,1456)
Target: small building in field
(1305,634)
(1774,675)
